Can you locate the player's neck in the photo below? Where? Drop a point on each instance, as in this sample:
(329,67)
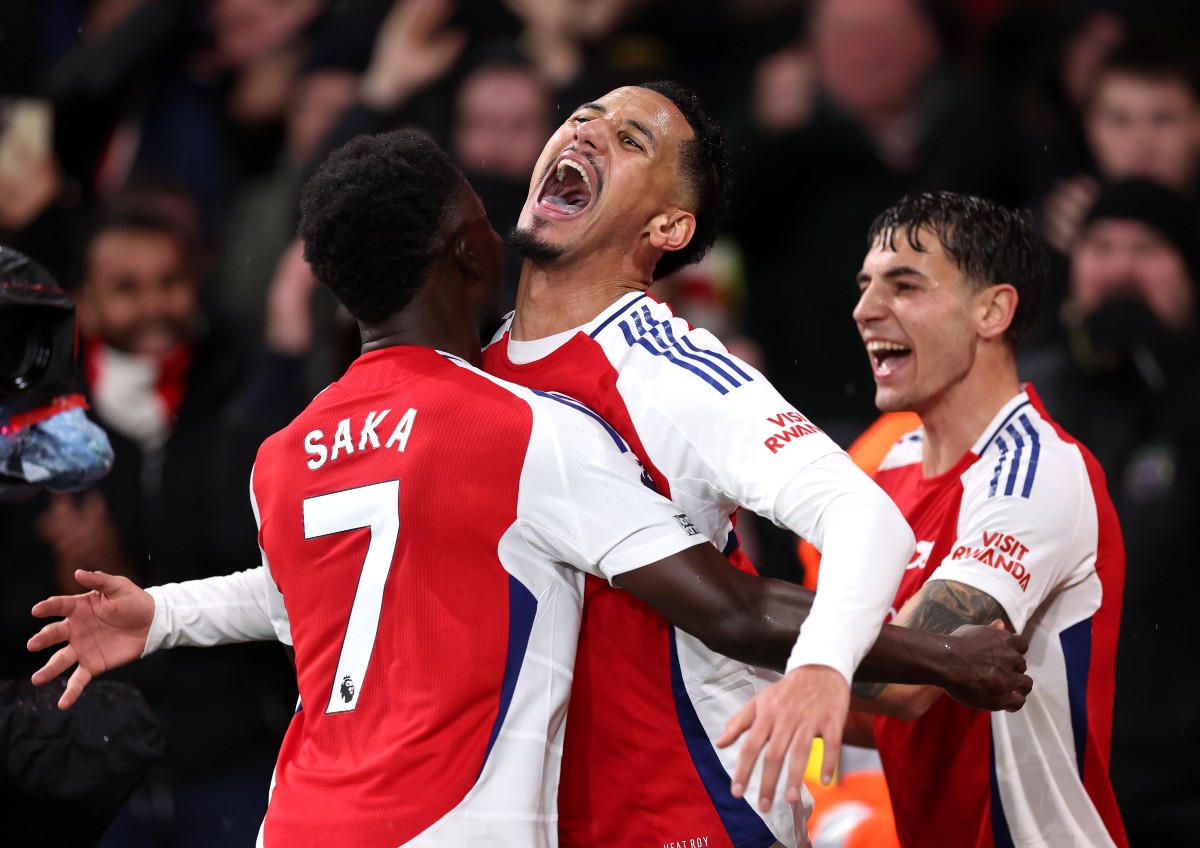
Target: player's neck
(956,420)
(416,326)
(553,300)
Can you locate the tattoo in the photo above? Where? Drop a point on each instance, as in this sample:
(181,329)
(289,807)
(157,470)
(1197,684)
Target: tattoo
(945,606)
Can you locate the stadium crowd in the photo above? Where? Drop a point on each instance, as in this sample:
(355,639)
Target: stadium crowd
(152,154)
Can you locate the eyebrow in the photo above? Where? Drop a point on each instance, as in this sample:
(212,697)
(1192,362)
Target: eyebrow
(893,273)
(637,125)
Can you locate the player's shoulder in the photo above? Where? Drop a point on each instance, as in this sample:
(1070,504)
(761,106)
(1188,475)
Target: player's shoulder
(1024,455)
(558,414)
(642,335)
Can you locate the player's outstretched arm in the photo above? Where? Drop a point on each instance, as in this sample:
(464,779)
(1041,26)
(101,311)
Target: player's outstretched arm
(103,629)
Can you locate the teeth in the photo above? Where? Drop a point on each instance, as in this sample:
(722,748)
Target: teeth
(878,347)
(567,163)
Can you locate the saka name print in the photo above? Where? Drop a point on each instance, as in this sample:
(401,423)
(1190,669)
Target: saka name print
(344,441)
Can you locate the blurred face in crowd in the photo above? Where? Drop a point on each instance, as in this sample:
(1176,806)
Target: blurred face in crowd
(139,295)
(873,55)
(1118,257)
(245,30)
(318,99)
(609,174)
(916,315)
(502,118)
(1148,128)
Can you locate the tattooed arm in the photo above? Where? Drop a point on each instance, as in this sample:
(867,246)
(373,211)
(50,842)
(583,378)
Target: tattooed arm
(941,606)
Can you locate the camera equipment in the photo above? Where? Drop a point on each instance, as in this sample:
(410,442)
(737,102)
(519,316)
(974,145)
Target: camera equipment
(37,339)
(46,441)
(37,329)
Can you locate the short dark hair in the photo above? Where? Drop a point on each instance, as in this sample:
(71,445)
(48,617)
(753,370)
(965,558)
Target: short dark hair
(989,243)
(369,215)
(154,203)
(704,162)
(1157,57)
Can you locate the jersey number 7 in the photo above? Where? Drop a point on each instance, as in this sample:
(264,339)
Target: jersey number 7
(377,507)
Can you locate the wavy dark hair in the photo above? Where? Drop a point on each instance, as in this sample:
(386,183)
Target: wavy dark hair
(369,217)
(704,163)
(989,243)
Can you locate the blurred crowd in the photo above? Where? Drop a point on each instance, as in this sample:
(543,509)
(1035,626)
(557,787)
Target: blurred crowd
(151,154)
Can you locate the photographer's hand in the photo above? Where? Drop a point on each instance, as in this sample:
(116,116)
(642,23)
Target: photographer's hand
(103,629)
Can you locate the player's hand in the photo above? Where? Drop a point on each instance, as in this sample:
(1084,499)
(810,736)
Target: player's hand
(103,629)
(989,668)
(781,722)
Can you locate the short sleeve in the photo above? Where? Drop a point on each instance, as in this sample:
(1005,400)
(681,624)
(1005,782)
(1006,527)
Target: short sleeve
(1018,545)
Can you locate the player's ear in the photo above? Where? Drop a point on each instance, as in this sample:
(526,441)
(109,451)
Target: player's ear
(996,307)
(672,230)
(466,256)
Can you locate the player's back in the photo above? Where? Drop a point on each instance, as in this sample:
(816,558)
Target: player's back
(385,513)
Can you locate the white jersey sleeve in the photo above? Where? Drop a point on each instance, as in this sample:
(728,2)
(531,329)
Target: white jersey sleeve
(864,542)
(582,499)
(725,436)
(1027,523)
(226,609)
(214,611)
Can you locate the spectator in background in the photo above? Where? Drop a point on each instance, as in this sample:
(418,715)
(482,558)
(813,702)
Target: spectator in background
(1128,384)
(503,113)
(262,219)
(185,405)
(879,113)
(1142,119)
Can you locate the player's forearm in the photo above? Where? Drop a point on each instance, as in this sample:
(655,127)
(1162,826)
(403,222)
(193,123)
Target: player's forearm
(213,611)
(902,655)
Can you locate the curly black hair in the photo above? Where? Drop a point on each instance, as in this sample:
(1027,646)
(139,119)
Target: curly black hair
(989,244)
(704,161)
(369,216)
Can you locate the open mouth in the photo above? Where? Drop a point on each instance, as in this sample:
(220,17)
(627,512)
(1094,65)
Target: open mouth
(567,191)
(887,357)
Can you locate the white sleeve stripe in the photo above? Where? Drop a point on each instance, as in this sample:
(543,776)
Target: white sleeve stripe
(1020,462)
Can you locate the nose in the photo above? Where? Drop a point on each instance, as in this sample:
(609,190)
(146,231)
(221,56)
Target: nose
(869,306)
(592,133)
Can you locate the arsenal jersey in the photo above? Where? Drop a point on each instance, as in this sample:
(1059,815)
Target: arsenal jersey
(1025,517)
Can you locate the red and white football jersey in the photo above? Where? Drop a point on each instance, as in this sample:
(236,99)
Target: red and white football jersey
(415,520)
(640,768)
(1025,517)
